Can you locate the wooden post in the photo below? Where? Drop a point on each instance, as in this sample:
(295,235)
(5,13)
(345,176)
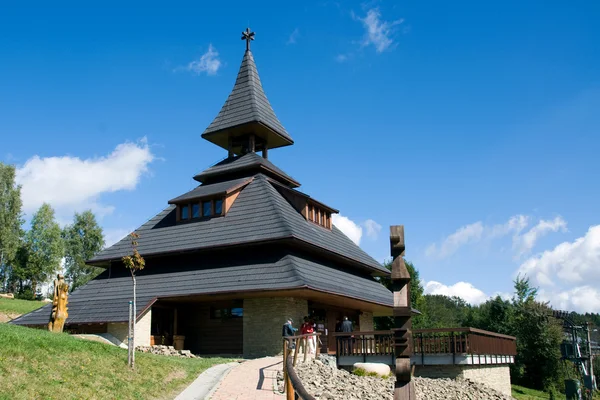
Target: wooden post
(296,350)
(289,389)
(285,355)
(306,348)
(404,387)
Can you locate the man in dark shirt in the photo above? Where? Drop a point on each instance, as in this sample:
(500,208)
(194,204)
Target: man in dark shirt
(346,341)
(346,325)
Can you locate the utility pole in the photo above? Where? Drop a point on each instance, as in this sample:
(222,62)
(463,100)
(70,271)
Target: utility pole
(590,355)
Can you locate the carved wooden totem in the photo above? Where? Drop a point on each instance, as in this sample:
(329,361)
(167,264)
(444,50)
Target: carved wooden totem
(405,389)
(59,305)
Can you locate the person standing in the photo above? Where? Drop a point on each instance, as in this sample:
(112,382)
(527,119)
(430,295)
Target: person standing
(346,327)
(288,330)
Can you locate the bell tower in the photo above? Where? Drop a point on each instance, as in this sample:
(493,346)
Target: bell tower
(247,122)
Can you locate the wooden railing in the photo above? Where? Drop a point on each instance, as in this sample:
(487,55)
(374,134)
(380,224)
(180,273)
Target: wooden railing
(292,384)
(463,341)
(380,343)
(468,341)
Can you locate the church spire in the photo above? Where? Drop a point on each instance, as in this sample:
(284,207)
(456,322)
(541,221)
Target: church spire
(247,122)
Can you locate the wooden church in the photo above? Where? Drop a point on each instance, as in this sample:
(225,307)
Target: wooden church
(228,262)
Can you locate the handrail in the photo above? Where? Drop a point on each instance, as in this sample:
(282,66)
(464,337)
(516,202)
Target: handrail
(292,383)
(468,330)
(362,333)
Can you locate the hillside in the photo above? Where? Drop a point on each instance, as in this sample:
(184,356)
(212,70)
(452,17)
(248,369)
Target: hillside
(37,364)
(12,308)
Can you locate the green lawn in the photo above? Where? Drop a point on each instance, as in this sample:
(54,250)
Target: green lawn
(523,393)
(37,364)
(15,306)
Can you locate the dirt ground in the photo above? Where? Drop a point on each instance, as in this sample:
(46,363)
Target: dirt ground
(5,317)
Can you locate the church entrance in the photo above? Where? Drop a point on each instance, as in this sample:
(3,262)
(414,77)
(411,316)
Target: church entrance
(328,318)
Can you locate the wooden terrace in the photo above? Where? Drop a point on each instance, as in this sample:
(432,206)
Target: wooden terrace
(449,346)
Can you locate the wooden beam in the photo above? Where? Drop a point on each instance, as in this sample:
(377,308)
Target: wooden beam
(404,388)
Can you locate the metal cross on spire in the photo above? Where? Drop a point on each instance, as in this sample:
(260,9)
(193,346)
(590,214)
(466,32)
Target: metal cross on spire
(248,37)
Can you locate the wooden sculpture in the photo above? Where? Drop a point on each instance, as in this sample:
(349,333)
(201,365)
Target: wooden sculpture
(404,389)
(59,305)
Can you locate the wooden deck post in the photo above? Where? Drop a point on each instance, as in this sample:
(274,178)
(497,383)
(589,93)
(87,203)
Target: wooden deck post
(404,388)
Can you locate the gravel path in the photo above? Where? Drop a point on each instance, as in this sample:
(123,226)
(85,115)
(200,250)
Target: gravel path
(327,383)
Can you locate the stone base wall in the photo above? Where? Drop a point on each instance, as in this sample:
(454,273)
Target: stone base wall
(142,330)
(263,320)
(495,376)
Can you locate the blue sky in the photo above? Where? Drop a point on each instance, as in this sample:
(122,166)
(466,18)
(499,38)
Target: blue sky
(475,124)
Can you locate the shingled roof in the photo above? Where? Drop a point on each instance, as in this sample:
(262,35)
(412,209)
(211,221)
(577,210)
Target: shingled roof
(232,166)
(211,190)
(259,214)
(247,104)
(105,299)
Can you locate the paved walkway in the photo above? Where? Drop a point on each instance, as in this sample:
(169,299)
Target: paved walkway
(201,388)
(251,380)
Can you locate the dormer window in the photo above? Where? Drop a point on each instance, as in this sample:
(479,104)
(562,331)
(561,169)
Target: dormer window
(219,206)
(201,209)
(185,212)
(319,216)
(207,208)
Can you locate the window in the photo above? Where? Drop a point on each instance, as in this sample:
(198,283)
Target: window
(206,208)
(319,216)
(185,212)
(226,312)
(218,206)
(195,210)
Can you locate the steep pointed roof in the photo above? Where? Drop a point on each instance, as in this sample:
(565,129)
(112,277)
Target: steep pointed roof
(247,110)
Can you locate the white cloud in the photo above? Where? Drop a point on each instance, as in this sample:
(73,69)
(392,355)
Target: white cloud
(581,299)
(71,184)
(378,32)
(515,225)
(348,227)
(522,243)
(525,243)
(293,36)
(466,234)
(341,58)
(112,236)
(373,229)
(464,290)
(208,63)
(571,262)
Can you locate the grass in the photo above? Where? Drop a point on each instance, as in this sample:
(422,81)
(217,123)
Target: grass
(16,306)
(523,393)
(37,364)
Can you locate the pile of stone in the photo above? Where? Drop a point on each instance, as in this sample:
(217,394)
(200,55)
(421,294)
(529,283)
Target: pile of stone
(328,383)
(165,351)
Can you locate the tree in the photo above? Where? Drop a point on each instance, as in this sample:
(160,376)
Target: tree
(135,262)
(83,239)
(495,315)
(523,290)
(44,247)
(10,221)
(439,311)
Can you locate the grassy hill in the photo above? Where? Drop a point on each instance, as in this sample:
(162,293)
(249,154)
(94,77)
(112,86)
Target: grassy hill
(12,308)
(37,364)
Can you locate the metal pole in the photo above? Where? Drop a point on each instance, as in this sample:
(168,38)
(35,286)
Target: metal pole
(591,357)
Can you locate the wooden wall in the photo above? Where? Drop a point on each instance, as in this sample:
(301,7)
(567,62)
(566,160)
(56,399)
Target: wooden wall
(204,335)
